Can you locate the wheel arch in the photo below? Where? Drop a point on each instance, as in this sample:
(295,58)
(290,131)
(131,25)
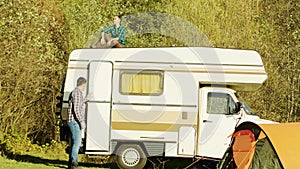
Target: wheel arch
(141,144)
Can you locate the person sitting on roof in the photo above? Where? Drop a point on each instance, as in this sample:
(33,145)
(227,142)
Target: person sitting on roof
(117,34)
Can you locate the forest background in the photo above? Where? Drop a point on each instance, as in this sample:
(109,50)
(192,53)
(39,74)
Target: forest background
(37,36)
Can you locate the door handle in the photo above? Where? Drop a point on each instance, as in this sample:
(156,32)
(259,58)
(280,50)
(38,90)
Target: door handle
(207,121)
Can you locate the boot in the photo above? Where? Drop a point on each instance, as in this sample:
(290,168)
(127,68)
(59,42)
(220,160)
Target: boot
(75,166)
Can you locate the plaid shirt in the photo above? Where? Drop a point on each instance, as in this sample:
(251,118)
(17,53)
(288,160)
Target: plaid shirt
(119,32)
(76,106)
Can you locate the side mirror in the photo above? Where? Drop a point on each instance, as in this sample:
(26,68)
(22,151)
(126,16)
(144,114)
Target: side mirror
(238,106)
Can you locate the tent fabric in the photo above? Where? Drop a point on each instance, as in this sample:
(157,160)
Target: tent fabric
(243,149)
(276,146)
(265,157)
(285,138)
(227,161)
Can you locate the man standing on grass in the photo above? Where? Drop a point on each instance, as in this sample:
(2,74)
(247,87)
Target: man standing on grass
(76,121)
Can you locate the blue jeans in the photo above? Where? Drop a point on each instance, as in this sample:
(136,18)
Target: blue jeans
(75,142)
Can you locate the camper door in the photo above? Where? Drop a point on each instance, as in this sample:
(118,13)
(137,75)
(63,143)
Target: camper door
(99,107)
(217,121)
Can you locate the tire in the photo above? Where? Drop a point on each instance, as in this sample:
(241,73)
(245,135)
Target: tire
(130,156)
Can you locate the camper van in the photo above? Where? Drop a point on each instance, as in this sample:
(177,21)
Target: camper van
(162,102)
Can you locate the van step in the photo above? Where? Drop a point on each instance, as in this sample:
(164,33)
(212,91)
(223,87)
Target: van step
(98,156)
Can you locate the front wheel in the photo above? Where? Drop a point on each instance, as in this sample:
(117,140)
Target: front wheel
(130,156)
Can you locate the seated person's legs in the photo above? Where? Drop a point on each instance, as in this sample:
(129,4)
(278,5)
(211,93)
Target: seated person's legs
(118,45)
(107,42)
(102,43)
(114,43)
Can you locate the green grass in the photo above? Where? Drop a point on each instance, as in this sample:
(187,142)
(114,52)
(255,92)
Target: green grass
(44,161)
(12,164)
(32,162)
(17,151)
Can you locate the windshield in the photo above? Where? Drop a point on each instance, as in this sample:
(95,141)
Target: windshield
(247,109)
(244,105)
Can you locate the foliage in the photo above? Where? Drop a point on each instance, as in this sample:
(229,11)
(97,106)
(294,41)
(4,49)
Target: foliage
(37,36)
(32,65)
(279,36)
(20,144)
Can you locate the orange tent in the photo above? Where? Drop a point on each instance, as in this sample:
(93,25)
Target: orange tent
(264,146)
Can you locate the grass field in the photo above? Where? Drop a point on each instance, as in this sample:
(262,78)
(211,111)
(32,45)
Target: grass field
(18,152)
(35,162)
(13,164)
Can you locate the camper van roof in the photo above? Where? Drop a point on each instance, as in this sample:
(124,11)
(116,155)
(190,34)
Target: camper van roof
(238,69)
(193,55)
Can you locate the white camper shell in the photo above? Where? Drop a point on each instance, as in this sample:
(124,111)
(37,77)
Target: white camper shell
(171,102)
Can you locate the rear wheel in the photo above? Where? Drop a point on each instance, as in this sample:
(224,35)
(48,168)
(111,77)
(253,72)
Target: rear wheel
(130,156)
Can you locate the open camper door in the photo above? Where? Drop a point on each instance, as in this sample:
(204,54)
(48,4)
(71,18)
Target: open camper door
(217,122)
(99,107)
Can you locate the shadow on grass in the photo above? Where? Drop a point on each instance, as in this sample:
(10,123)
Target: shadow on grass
(152,163)
(49,162)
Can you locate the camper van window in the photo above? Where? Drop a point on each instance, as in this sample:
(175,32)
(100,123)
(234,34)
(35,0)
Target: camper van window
(144,82)
(220,103)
